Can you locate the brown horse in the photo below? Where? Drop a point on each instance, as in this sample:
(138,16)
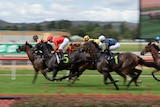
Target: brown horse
(73,47)
(153,49)
(124,62)
(35,59)
(88,65)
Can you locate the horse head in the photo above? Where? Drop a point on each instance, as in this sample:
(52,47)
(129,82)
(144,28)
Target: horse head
(24,47)
(91,49)
(149,47)
(90,46)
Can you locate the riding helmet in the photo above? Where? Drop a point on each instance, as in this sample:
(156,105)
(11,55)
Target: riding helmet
(35,37)
(157,38)
(86,38)
(49,38)
(101,38)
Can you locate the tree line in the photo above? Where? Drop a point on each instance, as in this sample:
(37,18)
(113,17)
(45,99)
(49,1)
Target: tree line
(91,29)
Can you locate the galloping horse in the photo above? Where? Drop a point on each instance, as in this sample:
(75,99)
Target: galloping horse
(78,58)
(153,49)
(124,62)
(35,59)
(52,62)
(73,47)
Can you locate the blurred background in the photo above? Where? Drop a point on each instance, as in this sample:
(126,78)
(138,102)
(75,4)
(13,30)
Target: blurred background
(131,23)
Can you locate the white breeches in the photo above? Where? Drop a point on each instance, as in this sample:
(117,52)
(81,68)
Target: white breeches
(64,43)
(113,47)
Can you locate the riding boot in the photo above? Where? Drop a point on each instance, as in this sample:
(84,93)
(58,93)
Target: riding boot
(61,55)
(72,66)
(109,55)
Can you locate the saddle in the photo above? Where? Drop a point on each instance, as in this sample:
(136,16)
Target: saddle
(112,58)
(61,57)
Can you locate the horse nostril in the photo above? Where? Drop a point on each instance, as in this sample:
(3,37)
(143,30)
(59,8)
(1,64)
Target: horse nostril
(17,50)
(142,53)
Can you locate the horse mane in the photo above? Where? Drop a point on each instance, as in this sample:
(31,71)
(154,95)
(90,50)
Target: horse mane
(90,44)
(96,45)
(29,45)
(155,46)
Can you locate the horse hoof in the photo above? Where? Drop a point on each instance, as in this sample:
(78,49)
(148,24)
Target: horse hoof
(127,88)
(139,81)
(117,80)
(69,85)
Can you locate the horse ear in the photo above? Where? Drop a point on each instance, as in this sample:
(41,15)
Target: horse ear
(26,42)
(150,43)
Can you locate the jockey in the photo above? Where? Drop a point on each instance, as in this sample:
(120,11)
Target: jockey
(37,40)
(60,43)
(97,41)
(110,43)
(157,39)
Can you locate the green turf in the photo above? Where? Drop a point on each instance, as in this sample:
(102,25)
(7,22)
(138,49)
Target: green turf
(130,48)
(88,84)
(149,27)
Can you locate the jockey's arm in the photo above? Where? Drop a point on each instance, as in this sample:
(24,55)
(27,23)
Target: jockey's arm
(56,47)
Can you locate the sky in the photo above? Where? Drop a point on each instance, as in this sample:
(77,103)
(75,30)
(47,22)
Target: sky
(35,11)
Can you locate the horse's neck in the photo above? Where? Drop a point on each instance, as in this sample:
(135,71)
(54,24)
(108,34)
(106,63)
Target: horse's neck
(46,53)
(30,54)
(96,54)
(154,54)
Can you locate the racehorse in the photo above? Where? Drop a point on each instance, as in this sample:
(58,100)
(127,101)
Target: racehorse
(153,49)
(36,60)
(53,64)
(78,58)
(123,62)
(73,47)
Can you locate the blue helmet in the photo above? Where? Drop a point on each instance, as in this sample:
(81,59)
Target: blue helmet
(157,38)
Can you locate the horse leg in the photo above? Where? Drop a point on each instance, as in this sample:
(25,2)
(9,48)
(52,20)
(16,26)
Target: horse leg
(45,75)
(76,77)
(54,75)
(123,75)
(35,76)
(153,74)
(107,74)
(133,78)
(112,80)
(80,71)
(138,74)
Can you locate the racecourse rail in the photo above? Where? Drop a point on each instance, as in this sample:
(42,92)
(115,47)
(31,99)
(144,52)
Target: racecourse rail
(14,59)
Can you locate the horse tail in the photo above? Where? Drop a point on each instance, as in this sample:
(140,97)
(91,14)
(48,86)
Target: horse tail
(148,64)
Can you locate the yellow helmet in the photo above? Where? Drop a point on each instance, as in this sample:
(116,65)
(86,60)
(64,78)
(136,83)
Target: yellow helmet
(86,38)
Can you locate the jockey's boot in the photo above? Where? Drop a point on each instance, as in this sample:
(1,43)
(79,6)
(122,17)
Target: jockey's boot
(61,55)
(109,55)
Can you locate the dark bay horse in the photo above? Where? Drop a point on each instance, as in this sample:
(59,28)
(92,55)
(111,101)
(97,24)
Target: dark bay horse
(53,64)
(73,47)
(35,59)
(78,58)
(154,50)
(124,62)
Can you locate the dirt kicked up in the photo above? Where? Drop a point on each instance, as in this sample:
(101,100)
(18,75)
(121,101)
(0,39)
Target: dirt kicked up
(83,100)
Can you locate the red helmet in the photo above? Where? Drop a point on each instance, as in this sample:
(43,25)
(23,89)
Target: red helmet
(49,38)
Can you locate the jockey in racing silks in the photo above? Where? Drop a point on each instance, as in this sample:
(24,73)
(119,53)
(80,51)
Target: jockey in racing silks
(38,40)
(60,43)
(97,41)
(110,44)
(157,38)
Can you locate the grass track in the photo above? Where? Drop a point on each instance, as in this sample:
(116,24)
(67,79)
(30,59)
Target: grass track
(88,84)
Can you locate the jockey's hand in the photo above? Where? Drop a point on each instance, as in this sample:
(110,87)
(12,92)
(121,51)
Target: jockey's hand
(52,52)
